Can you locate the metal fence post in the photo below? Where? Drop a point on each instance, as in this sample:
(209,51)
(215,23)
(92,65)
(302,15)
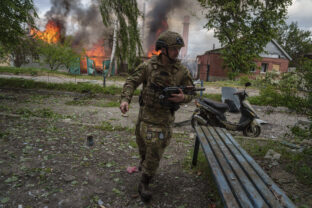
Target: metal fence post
(201,85)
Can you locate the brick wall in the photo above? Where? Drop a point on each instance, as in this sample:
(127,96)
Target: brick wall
(216,72)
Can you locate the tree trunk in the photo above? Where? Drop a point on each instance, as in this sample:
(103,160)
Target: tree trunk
(113,50)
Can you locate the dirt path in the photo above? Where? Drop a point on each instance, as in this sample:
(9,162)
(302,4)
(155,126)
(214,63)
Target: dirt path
(45,161)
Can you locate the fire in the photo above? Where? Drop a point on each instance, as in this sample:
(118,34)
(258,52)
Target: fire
(163,27)
(97,54)
(152,53)
(51,33)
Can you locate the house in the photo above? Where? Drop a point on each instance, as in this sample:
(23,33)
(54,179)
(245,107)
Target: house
(209,65)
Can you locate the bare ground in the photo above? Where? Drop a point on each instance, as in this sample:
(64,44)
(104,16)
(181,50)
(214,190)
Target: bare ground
(45,162)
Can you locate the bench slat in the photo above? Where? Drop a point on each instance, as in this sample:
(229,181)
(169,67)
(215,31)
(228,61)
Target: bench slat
(241,186)
(244,169)
(283,199)
(228,198)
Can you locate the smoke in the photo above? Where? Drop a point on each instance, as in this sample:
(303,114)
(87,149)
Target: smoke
(83,21)
(172,12)
(157,17)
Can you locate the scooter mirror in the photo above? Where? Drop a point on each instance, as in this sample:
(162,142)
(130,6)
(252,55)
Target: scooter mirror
(247,84)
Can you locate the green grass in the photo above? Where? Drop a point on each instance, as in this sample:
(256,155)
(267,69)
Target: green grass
(110,104)
(133,143)
(26,112)
(297,163)
(26,71)
(80,87)
(225,83)
(78,102)
(106,126)
(42,113)
(45,72)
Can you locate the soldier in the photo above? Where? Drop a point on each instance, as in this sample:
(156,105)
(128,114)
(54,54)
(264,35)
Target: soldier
(154,125)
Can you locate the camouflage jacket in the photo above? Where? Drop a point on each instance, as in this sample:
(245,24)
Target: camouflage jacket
(153,72)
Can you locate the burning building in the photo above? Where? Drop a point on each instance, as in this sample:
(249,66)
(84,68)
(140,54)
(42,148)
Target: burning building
(51,34)
(89,36)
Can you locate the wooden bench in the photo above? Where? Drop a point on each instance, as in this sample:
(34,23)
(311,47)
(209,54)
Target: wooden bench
(241,181)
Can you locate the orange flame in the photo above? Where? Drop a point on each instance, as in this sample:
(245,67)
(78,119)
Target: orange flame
(163,27)
(51,33)
(153,52)
(97,54)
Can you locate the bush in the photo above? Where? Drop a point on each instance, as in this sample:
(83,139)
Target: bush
(281,90)
(243,80)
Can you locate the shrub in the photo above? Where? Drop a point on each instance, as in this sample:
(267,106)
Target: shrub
(243,80)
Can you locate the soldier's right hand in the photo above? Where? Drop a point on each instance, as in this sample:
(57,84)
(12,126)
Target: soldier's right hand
(124,107)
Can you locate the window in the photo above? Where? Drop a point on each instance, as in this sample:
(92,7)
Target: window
(253,69)
(264,67)
(276,67)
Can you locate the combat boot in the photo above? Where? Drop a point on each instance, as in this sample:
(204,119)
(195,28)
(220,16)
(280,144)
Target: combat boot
(144,191)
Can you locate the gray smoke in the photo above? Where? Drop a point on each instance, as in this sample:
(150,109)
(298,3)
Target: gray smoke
(200,40)
(158,15)
(85,21)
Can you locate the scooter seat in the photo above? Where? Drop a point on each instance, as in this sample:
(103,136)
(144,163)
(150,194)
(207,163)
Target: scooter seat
(220,106)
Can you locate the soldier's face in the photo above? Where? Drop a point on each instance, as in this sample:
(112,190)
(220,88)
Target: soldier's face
(173,52)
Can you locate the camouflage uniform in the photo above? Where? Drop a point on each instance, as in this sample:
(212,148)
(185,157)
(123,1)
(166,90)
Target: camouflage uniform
(154,125)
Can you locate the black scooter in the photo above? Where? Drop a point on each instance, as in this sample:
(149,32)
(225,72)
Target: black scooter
(209,112)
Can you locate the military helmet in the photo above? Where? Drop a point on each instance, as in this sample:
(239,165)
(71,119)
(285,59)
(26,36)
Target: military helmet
(169,39)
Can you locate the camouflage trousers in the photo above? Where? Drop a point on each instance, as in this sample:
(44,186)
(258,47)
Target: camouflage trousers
(152,140)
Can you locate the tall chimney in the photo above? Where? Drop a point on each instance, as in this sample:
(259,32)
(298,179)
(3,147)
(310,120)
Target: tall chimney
(186,24)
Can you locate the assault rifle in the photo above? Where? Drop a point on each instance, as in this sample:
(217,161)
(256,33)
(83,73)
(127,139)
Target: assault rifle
(189,90)
(168,91)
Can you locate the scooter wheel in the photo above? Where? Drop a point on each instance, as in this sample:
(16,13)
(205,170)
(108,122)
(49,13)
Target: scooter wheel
(252,131)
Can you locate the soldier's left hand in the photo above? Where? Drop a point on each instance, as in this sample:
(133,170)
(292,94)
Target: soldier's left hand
(177,98)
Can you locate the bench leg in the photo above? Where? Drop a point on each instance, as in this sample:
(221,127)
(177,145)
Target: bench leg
(195,154)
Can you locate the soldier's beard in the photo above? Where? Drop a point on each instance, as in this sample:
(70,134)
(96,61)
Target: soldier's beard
(171,60)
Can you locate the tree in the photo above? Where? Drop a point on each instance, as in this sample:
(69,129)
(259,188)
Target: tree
(22,53)
(244,27)
(51,54)
(128,44)
(68,56)
(296,42)
(15,15)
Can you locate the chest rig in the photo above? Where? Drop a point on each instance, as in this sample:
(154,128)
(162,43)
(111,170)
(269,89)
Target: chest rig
(158,77)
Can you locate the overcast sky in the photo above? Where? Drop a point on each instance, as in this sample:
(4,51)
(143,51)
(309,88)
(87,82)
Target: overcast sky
(201,40)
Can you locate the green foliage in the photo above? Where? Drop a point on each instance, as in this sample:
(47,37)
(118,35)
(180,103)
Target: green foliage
(51,53)
(58,54)
(244,28)
(15,15)
(280,90)
(128,38)
(295,42)
(298,163)
(22,52)
(301,133)
(304,71)
(69,56)
(243,80)
(216,97)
